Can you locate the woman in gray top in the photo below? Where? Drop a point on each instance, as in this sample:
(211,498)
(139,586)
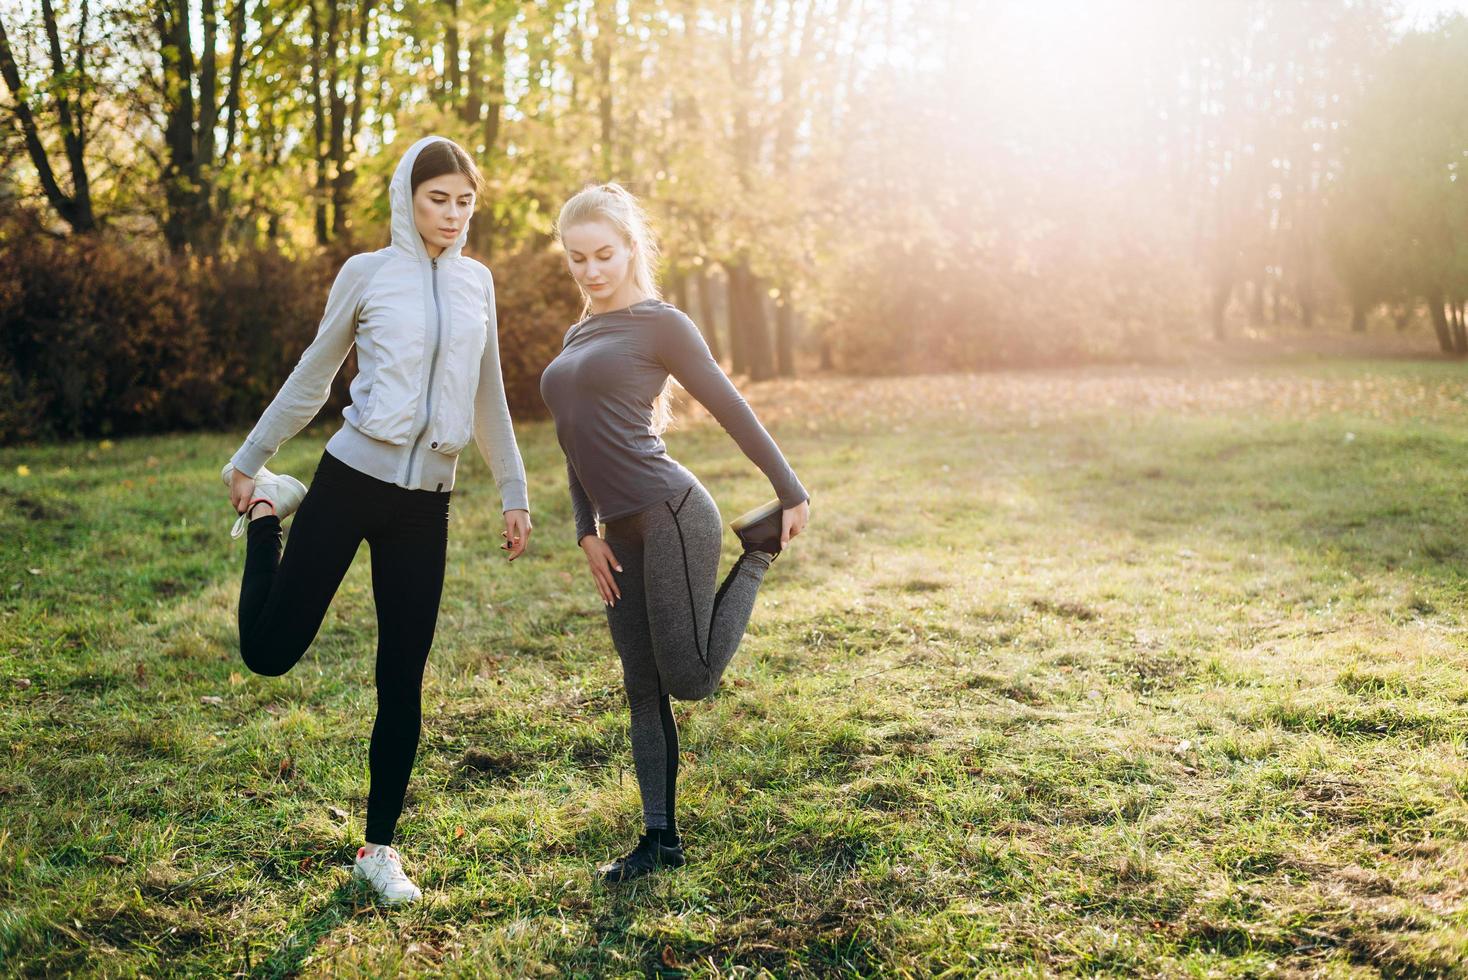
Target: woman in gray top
(657,565)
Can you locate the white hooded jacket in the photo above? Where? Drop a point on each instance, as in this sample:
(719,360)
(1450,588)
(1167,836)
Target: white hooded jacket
(428,365)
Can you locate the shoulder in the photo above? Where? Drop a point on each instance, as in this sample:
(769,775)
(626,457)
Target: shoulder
(360,268)
(669,322)
(478,271)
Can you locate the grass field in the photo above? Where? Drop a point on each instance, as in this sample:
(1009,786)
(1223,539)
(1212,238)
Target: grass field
(1130,671)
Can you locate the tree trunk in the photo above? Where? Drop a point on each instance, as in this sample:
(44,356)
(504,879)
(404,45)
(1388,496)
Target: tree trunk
(1460,337)
(735,295)
(707,319)
(1440,322)
(1358,317)
(784,337)
(601,48)
(453,76)
(338,105)
(749,324)
(181,173)
(1222,289)
(1402,315)
(74,208)
(496,96)
(1256,302)
(318,117)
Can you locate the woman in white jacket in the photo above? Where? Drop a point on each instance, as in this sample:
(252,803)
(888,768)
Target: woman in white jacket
(422,317)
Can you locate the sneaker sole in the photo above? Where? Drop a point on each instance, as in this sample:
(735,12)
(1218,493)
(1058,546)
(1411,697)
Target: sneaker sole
(359,875)
(755,516)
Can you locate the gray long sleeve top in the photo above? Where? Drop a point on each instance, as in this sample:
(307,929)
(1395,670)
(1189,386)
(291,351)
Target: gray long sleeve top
(600,389)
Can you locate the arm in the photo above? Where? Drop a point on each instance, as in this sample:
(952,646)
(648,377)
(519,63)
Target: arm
(581,506)
(599,556)
(493,432)
(308,386)
(685,354)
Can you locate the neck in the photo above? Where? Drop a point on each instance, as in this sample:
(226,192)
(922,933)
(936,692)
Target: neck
(434,251)
(622,298)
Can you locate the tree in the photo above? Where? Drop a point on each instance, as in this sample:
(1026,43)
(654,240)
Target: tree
(68,87)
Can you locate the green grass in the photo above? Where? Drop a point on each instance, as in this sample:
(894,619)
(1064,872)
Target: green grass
(1118,672)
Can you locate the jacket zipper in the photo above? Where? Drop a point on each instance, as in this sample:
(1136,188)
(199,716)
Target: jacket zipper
(432,368)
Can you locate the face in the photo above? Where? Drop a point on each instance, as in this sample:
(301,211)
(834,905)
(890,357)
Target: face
(441,208)
(598,256)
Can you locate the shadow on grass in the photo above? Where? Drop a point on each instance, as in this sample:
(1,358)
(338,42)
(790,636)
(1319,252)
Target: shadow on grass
(302,940)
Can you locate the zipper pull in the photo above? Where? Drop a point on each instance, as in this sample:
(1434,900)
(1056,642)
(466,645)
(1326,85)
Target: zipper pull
(435,263)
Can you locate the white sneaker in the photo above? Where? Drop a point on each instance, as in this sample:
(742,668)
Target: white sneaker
(383,869)
(284,493)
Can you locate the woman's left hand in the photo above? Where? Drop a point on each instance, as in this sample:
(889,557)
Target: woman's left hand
(792,521)
(516,533)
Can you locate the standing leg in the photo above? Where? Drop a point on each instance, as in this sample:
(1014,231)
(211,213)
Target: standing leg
(284,599)
(654,732)
(695,630)
(409,546)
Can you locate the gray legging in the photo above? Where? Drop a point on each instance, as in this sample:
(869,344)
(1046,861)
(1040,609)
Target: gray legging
(674,632)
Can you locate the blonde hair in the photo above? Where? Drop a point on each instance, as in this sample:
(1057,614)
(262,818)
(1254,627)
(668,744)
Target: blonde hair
(614,205)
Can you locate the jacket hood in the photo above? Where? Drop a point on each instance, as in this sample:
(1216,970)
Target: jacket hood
(400,193)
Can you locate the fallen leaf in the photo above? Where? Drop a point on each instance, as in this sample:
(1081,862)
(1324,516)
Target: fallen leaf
(286,768)
(235,680)
(116,860)
(670,959)
(22,682)
(458,832)
(305,864)
(211,699)
(1183,747)
(337,813)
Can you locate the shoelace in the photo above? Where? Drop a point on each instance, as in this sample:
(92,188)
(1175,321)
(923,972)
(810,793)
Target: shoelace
(386,858)
(243,521)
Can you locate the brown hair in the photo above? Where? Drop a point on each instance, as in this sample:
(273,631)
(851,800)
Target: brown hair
(444,157)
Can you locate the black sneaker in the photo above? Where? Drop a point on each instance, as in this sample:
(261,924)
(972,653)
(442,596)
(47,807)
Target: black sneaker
(648,856)
(759,530)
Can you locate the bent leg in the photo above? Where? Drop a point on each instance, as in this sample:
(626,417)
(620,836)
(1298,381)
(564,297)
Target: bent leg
(695,630)
(284,599)
(409,550)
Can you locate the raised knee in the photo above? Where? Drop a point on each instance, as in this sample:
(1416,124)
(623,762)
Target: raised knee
(692,688)
(260,663)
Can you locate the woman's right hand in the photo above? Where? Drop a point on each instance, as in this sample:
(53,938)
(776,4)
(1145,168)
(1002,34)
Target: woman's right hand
(241,490)
(599,556)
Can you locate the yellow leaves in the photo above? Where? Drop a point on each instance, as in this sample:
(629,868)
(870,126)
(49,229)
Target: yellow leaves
(22,470)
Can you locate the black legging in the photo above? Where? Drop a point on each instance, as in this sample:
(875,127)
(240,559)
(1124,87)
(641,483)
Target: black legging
(284,599)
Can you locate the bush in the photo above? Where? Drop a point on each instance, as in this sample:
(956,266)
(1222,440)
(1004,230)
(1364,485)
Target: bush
(98,337)
(97,340)
(537,303)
